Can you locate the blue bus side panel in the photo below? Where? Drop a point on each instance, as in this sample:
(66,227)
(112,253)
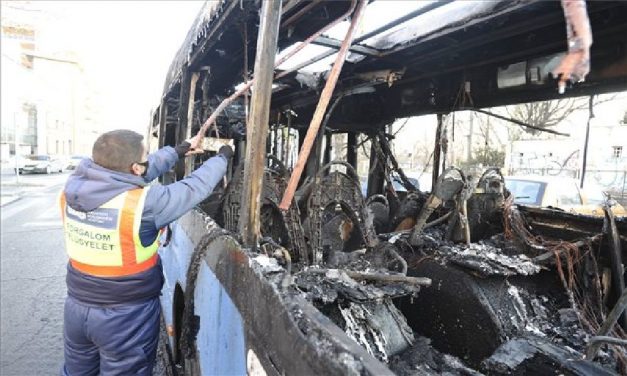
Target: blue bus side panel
(175,258)
(220,339)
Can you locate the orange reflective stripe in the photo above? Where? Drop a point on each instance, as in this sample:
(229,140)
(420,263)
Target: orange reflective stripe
(115,271)
(127,221)
(62,204)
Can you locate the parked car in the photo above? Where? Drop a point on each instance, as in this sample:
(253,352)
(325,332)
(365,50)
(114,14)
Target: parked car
(559,192)
(20,160)
(594,199)
(43,164)
(74,161)
(396,183)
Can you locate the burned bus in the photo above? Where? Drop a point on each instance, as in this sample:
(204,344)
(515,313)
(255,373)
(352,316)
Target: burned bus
(302,262)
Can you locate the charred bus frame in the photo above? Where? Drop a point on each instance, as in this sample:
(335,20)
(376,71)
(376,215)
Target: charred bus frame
(484,55)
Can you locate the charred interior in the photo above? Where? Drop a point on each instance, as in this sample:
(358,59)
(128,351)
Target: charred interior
(457,280)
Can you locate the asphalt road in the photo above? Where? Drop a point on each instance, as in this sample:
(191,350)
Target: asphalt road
(32,277)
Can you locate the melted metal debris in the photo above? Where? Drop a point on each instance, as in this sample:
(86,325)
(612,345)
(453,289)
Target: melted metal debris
(422,359)
(522,320)
(210,224)
(430,239)
(352,365)
(488,260)
(363,310)
(266,264)
(379,328)
(537,356)
(536,316)
(335,283)
(510,355)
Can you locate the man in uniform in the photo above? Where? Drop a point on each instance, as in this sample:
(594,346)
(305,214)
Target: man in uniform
(112,220)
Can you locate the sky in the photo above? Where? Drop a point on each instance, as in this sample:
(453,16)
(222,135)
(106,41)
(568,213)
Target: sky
(125,48)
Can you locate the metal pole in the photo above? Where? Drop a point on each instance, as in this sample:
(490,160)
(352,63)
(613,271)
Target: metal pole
(181,124)
(469,140)
(189,162)
(351,150)
(257,131)
(622,194)
(288,150)
(376,174)
(585,144)
(325,97)
(609,322)
(15,140)
(617,280)
(327,149)
(436,153)
(163,107)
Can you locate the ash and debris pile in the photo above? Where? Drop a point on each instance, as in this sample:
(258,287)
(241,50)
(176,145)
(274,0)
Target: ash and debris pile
(359,299)
(460,286)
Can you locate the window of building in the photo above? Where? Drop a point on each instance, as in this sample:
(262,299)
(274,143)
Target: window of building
(617,152)
(31,129)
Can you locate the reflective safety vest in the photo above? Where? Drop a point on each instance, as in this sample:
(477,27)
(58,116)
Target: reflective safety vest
(105,241)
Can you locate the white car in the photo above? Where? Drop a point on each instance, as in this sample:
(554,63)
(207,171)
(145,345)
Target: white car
(43,164)
(74,161)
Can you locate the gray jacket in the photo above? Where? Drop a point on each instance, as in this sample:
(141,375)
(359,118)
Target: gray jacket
(92,185)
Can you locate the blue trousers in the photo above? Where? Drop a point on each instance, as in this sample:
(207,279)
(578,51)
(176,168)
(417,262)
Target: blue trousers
(110,341)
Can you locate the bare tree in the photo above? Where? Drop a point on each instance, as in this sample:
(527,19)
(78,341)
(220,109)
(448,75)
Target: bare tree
(545,114)
(422,155)
(491,153)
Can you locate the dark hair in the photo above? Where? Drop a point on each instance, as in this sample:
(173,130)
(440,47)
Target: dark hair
(118,150)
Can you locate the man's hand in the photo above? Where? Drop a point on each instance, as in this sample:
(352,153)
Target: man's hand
(195,145)
(227,151)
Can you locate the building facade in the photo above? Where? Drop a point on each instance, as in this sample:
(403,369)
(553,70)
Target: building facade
(46,99)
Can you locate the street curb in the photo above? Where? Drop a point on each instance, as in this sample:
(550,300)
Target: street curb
(19,197)
(27,185)
(26,190)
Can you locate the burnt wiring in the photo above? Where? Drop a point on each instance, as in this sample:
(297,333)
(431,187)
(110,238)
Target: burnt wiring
(569,263)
